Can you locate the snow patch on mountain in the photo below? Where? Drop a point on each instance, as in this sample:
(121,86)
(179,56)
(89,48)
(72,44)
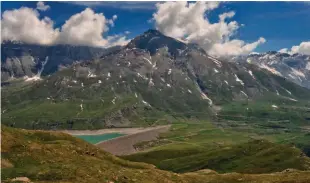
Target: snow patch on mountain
(37,77)
(244,94)
(270,69)
(91,75)
(151,83)
(217,62)
(298,73)
(34,78)
(251,73)
(294,67)
(147,60)
(204,96)
(239,80)
(169,71)
(308,66)
(145,103)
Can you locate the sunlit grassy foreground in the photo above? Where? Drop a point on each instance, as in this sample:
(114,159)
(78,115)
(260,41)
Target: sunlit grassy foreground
(57,157)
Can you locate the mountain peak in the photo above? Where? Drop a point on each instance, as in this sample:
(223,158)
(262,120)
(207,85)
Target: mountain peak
(153,31)
(152,40)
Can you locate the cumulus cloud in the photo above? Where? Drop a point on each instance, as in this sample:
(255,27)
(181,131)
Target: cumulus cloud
(235,47)
(118,40)
(283,50)
(187,21)
(41,6)
(303,48)
(84,28)
(25,25)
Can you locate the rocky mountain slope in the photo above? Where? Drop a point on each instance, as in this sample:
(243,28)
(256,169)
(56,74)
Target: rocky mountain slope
(154,79)
(295,68)
(26,60)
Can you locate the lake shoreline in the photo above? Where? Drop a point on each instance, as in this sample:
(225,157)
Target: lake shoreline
(122,145)
(94,139)
(125,131)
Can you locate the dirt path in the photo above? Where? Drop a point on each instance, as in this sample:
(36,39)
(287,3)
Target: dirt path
(125,145)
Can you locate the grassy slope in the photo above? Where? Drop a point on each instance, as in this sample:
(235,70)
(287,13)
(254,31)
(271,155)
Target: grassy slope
(57,157)
(48,156)
(194,146)
(253,157)
(288,123)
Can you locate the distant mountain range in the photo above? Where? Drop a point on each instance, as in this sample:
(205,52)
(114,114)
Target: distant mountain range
(27,60)
(154,79)
(295,68)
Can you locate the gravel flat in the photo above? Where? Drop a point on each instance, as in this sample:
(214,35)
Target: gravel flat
(124,145)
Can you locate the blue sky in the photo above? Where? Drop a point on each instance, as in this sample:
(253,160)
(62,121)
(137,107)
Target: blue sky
(282,24)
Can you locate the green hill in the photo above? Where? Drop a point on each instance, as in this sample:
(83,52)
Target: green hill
(57,157)
(257,156)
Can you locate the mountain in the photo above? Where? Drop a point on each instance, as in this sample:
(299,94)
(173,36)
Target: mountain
(42,156)
(295,68)
(155,79)
(27,60)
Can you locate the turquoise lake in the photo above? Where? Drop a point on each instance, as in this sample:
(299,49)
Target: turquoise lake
(93,139)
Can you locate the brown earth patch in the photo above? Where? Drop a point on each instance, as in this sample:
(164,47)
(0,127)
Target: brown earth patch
(125,145)
(6,163)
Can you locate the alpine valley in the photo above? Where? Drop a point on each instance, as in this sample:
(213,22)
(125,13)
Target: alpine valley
(248,114)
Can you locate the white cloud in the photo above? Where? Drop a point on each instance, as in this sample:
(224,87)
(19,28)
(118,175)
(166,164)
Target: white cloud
(187,21)
(111,21)
(84,28)
(284,50)
(302,48)
(41,6)
(235,47)
(24,25)
(117,40)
